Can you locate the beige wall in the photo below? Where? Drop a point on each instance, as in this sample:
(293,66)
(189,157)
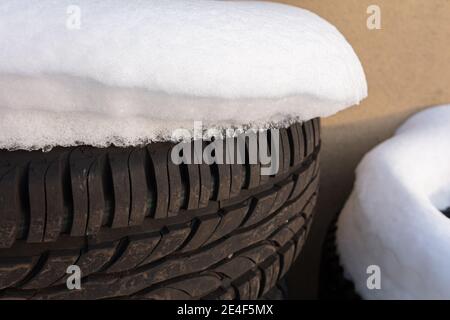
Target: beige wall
(407,64)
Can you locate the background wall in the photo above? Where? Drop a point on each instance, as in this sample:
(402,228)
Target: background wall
(407,64)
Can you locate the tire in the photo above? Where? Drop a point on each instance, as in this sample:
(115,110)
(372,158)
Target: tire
(140,227)
(333,285)
(279,292)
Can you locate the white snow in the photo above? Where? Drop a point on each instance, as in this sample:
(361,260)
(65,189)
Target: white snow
(393,217)
(136,70)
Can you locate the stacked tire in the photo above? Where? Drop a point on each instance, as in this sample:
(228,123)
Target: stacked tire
(332,283)
(140,227)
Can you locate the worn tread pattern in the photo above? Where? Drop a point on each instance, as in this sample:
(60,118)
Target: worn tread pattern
(141,227)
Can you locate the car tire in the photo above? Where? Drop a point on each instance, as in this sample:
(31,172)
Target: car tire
(140,227)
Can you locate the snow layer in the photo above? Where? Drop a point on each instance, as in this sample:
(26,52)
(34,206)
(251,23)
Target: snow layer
(393,217)
(136,70)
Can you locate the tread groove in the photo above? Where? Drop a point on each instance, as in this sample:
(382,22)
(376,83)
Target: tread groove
(151,182)
(120,249)
(109,191)
(34,271)
(24,196)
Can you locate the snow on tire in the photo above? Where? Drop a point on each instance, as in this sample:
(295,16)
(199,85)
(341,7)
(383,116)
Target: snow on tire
(394,219)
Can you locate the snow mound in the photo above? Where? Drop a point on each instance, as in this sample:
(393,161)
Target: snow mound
(393,218)
(104,72)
